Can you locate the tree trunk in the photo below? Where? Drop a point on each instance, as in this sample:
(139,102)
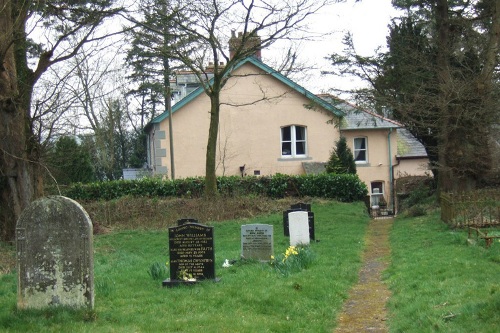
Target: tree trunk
(19,181)
(210,167)
(443,71)
(466,109)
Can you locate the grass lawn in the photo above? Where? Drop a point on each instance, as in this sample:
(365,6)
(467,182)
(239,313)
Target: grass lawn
(440,283)
(251,297)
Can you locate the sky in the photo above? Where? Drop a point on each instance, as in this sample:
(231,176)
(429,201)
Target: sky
(367,20)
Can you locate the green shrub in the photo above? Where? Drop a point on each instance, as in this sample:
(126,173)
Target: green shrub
(417,210)
(344,187)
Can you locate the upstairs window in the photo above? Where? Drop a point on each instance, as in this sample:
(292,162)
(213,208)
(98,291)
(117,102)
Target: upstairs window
(360,150)
(293,141)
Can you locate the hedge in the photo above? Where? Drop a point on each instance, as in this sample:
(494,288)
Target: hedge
(343,187)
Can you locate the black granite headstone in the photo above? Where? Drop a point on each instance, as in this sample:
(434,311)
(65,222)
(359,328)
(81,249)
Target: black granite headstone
(299,207)
(188,220)
(192,256)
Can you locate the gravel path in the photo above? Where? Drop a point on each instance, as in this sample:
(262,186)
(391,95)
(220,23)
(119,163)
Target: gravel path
(364,310)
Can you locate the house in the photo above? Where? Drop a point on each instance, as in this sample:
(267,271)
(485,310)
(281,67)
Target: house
(269,125)
(373,139)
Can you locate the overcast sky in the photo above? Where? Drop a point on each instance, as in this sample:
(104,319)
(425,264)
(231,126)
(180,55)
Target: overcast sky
(368,21)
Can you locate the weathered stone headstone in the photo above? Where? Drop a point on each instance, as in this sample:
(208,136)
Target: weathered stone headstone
(54,255)
(192,257)
(257,241)
(295,208)
(299,228)
(188,220)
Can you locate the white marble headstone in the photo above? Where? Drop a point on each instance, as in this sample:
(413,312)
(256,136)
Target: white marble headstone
(299,228)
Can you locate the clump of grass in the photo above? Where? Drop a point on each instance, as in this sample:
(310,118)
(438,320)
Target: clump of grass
(104,287)
(158,271)
(293,260)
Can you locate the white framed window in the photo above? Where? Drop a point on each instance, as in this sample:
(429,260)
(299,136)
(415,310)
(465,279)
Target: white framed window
(360,150)
(377,192)
(293,141)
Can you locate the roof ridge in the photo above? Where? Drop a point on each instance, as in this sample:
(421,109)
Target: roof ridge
(362,109)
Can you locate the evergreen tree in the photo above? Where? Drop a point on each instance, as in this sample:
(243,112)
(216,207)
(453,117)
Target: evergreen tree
(150,59)
(70,162)
(341,159)
(138,154)
(439,78)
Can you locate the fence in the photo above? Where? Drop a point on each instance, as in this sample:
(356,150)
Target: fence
(480,208)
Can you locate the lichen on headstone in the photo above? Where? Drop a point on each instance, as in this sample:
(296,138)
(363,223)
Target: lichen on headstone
(55,255)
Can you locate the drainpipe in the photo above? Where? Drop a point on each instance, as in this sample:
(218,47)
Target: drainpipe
(391,181)
(394,187)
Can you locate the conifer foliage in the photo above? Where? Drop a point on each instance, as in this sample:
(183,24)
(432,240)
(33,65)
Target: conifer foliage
(341,159)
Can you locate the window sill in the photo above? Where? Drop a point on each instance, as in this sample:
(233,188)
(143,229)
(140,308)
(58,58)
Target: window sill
(285,159)
(362,164)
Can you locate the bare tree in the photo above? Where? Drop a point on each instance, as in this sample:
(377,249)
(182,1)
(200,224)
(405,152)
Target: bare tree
(98,91)
(204,31)
(19,150)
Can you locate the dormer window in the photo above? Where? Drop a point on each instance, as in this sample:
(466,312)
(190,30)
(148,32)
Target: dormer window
(293,141)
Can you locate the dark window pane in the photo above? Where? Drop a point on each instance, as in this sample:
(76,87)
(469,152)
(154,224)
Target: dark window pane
(286,148)
(286,134)
(360,155)
(300,148)
(377,185)
(300,133)
(359,143)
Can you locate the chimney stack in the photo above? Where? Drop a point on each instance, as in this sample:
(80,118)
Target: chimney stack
(251,42)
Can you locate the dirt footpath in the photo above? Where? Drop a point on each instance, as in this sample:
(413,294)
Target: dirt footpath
(364,310)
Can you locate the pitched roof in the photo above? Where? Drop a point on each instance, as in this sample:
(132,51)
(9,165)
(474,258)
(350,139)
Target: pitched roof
(357,118)
(409,146)
(267,69)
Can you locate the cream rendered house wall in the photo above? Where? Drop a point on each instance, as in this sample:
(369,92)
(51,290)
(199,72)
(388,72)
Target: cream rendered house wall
(378,167)
(412,167)
(254,108)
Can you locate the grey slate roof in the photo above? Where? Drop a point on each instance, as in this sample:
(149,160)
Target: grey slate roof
(408,145)
(357,118)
